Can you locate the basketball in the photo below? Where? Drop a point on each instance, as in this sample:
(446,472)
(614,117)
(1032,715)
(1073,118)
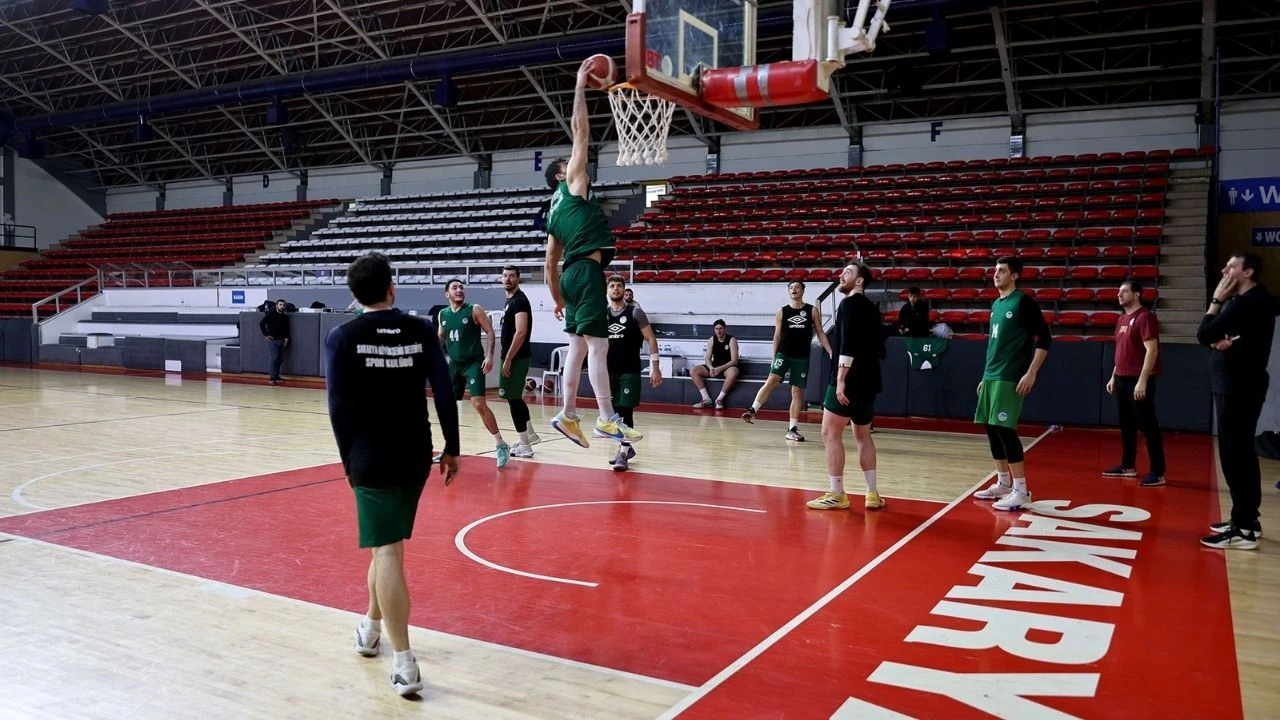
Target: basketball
(600,71)
(530,384)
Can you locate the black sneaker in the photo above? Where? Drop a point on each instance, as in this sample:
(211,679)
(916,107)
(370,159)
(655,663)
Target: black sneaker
(1232,539)
(1151,480)
(1225,525)
(1120,471)
(749,415)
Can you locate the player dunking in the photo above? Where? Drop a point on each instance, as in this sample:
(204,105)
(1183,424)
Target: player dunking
(793,328)
(628,328)
(1018,346)
(578,231)
(460,327)
(851,395)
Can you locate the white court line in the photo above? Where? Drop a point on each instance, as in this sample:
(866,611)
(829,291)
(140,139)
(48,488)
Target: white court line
(246,440)
(234,590)
(704,689)
(17,496)
(460,540)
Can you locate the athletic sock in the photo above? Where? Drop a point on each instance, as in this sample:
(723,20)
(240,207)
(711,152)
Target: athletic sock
(1020,485)
(403,658)
(837,485)
(870,476)
(1004,479)
(795,423)
(497,438)
(524,438)
(705,396)
(755,406)
(720,398)
(368,624)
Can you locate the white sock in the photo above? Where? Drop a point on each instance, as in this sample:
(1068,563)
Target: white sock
(404,657)
(497,437)
(1003,478)
(837,484)
(524,438)
(795,423)
(1020,485)
(870,476)
(755,406)
(705,396)
(720,398)
(369,625)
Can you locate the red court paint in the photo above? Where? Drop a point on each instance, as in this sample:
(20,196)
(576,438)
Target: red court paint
(1157,643)
(683,592)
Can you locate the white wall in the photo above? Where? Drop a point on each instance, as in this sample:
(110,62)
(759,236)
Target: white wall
(784,149)
(962,139)
(685,156)
(42,200)
(443,175)
(344,183)
(196,194)
(194,298)
(1162,127)
(516,168)
(282,187)
(1250,139)
(130,199)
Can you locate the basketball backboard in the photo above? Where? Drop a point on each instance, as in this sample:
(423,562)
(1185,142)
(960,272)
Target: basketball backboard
(669,41)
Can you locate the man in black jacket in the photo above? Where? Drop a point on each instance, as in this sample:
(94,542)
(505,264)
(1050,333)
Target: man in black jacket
(275,327)
(913,318)
(1239,326)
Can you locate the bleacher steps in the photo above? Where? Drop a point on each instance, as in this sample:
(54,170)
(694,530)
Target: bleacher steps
(1182,270)
(301,230)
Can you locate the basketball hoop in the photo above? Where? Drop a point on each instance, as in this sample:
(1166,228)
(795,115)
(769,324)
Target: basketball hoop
(642,121)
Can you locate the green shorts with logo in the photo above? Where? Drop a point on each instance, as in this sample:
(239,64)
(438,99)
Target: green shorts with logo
(513,386)
(385,514)
(625,389)
(799,368)
(467,375)
(586,304)
(998,404)
(861,409)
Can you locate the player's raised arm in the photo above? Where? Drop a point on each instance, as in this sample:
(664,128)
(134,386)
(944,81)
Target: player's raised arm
(575,171)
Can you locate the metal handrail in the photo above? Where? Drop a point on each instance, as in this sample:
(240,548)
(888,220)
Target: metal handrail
(56,299)
(334,275)
(11,233)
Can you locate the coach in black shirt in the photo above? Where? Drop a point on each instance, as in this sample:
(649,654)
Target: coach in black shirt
(379,365)
(275,328)
(1239,325)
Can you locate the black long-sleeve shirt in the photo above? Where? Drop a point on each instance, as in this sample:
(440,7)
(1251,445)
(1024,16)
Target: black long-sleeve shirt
(856,334)
(275,325)
(379,365)
(915,318)
(1243,366)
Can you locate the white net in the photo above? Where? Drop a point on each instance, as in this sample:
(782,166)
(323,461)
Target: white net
(642,121)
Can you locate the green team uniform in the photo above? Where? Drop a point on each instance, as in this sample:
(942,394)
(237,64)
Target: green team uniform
(925,351)
(462,345)
(1015,322)
(581,228)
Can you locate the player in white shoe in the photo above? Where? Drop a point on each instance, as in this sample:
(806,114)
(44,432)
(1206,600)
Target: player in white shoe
(1017,347)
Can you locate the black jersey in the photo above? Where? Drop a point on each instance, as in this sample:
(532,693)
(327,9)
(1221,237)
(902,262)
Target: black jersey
(797,331)
(721,353)
(626,337)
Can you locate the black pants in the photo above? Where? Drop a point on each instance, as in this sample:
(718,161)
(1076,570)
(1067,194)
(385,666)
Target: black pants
(1238,413)
(1138,415)
(275,358)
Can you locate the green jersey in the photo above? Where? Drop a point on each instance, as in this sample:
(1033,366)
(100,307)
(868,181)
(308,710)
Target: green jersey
(1017,329)
(461,334)
(579,225)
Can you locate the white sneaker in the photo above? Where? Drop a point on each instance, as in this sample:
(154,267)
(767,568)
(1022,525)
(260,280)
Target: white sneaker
(995,491)
(521,450)
(367,641)
(1014,500)
(533,437)
(407,680)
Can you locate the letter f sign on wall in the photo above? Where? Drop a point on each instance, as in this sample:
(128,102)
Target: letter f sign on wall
(935,129)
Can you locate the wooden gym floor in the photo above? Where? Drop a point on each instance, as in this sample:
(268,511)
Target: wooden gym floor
(174,548)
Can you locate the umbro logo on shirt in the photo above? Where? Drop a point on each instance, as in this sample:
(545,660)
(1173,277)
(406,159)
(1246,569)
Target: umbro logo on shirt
(617,329)
(797,321)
